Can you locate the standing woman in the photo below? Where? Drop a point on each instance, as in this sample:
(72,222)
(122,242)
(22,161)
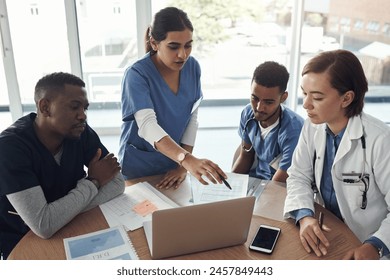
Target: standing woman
(342,158)
(161,93)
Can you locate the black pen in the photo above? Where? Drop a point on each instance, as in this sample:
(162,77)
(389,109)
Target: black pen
(225,182)
(320,222)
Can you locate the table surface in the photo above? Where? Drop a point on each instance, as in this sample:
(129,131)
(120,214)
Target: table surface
(268,210)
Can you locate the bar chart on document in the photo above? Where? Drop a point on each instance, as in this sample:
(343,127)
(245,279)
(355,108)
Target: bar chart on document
(217,192)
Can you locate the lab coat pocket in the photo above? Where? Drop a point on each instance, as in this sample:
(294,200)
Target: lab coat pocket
(353,194)
(357,186)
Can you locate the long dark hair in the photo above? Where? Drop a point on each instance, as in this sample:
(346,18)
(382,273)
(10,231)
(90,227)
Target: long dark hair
(166,20)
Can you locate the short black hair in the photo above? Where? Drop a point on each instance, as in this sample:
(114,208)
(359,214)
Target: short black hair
(271,74)
(55,82)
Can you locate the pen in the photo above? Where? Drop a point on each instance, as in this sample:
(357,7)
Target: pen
(225,182)
(320,222)
(13,213)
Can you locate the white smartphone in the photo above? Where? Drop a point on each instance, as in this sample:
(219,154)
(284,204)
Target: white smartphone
(265,239)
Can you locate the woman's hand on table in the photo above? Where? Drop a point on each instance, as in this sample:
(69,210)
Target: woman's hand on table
(203,168)
(173,178)
(312,236)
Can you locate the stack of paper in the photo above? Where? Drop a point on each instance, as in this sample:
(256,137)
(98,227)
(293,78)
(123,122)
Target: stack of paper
(135,206)
(217,192)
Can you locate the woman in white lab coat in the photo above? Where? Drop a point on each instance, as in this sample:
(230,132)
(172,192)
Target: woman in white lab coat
(341,160)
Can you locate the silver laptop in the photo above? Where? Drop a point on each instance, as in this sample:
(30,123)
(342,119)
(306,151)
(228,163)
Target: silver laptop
(190,229)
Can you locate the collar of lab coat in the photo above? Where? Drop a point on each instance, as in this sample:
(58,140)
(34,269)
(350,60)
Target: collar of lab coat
(353,131)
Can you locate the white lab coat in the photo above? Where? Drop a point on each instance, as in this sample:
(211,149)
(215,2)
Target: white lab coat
(375,219)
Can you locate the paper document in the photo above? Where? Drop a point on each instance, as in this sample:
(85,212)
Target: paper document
(183,194)
(108,244)
(217,192)
(134,206)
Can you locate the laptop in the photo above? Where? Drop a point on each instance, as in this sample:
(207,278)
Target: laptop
(196,228)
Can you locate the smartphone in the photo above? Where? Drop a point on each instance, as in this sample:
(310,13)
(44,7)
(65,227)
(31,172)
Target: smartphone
(265,239)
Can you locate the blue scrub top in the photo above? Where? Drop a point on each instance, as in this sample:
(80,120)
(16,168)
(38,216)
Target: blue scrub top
(282,139)
(143,87)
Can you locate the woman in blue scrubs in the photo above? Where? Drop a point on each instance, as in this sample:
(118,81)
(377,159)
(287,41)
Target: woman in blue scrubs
(161,93)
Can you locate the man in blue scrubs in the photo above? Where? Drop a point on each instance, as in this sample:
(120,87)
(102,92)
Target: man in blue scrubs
(269,130)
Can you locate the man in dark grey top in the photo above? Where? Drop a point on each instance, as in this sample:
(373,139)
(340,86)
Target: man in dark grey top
(43,158)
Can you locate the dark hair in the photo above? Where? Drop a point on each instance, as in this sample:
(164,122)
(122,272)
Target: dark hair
(55,82)
(166,20)
(271,74)
(345,73)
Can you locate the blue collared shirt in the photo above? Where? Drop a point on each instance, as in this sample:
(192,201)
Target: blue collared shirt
(281,140)
(327,190)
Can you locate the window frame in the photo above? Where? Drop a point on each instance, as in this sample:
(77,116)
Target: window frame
(144,17)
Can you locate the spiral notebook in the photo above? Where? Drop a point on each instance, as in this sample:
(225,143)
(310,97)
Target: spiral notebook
(107,244)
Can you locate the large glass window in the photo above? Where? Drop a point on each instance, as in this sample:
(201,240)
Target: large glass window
(108,44)
(5,115)
(361,35)
(231,38)
(39,39)
(4,101)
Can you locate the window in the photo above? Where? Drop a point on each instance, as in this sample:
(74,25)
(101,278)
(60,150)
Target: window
(4,101)
(366,39)
(117,8)
(386,29)
(345,24)
(5,115)
(34,9)
(359,25)
(231,38)
(39,42)
(333,24)
(108,45)
(373,27)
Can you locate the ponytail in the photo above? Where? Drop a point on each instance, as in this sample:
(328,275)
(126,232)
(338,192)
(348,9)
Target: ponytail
(148,45)
(166,20)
